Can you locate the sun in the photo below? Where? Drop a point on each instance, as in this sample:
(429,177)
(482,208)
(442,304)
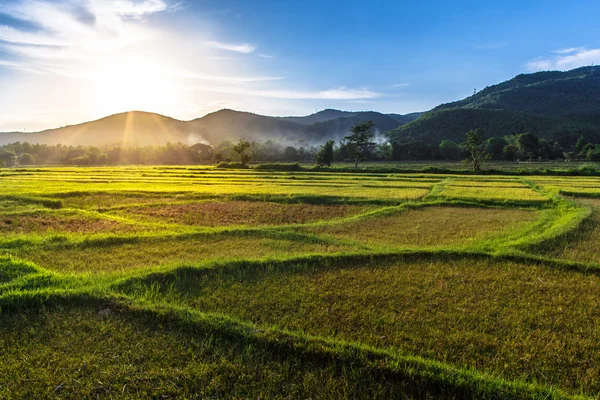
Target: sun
(134,83)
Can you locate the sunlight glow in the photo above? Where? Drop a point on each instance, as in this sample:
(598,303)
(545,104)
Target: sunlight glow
(134,83)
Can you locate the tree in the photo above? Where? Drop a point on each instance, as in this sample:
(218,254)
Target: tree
(581,142)
(8,158)
(510,152)
(495,147)
(325,155)
(475,146)
(450,150)
(528,143)
(360,144)
(203,152)
(218,157)
(26,159)
(593,154)
(242,148)
(384,151)
(290,154)
(546,150)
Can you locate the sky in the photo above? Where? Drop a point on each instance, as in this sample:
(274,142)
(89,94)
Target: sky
(70,61)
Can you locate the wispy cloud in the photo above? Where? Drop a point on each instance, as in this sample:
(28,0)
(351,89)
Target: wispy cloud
(566,59)
(244,48)
(399,85)
(74,30)
(266,56)
(569,50)
(132,9)
(341,93)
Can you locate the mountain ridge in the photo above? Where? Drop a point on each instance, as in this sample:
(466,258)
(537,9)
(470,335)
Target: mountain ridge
(558,106)
(146,128)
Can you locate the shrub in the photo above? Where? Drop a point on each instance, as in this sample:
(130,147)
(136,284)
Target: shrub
(231,165)
(280,166)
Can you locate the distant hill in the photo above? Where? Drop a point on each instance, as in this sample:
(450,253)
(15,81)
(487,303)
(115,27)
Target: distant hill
(155,129)
(554,105)
(320,116)
(140,127)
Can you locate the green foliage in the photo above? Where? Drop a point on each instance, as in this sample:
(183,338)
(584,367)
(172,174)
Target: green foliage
(495,147)
(593,153)
(290,154)
(278,167)
(231,165)
(360,144)
(581,142)
(325,155)
(241,148)
(475,147)
(450,150)
(528,144)
(509,152)
(556,106)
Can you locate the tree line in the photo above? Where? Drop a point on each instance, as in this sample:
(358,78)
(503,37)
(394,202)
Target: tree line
(360,145)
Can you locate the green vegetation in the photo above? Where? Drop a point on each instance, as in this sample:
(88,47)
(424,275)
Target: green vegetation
(137,282)
(555,106)
(360,143)
(475,147)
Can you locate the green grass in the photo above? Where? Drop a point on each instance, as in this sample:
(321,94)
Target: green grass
(516,320)
(226,213)
(582,244)
(124,254)
(137,282)
(428,226)
(111,349)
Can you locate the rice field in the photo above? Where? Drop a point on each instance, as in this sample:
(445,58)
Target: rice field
(156,282)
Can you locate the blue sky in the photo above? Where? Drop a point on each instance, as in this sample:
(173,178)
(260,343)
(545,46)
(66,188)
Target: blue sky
(67,61)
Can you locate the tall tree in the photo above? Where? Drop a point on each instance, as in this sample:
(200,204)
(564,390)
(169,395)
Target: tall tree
(476,148)
(325,155)
(242,148)
(360,143)
(529,144)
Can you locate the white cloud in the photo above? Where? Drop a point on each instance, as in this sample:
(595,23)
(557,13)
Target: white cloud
(341,93)
(569,50)
(266,56)
(244,48)
(70,30)
(399,85)
(540,65)
(11,35)
(567,59)
(132,9)
(19,66)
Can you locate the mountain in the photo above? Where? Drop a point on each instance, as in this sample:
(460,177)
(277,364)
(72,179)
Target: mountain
(406,118)
(555,105)
(320,116)
(154,129)
(341,126)
(140,127)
